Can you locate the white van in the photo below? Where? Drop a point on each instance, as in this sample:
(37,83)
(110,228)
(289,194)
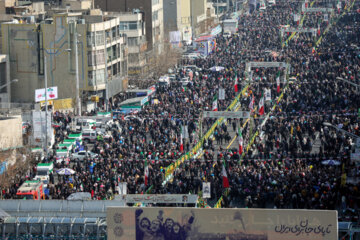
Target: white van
(62,155)
(164,81)
(42,172)
(89,136)
(85,124)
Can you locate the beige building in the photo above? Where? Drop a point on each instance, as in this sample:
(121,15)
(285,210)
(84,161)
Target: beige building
(152,15)
(77,4)
(11,132)
(102,56)
(189,17)
(5,6)
(5,95)
(133,26)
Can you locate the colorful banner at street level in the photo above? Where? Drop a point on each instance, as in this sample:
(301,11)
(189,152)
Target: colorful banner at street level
(220,224)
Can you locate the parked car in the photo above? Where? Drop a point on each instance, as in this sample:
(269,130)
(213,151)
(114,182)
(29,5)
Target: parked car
(83,154)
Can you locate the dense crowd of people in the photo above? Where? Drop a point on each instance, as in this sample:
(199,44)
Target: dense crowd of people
(284,166)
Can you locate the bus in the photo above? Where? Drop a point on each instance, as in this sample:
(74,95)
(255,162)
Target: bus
(32,190)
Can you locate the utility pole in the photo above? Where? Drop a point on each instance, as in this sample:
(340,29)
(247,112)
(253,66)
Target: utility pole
(78,102)
(46,109)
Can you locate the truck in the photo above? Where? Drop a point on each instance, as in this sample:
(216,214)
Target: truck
(31,190)
(43,171)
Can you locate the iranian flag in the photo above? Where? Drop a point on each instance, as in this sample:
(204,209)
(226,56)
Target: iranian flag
(181,140)
(224,176)
(146,172)
(252,102)
(241,142)
(278,82)
(215,104)
(261,105)
(236,84)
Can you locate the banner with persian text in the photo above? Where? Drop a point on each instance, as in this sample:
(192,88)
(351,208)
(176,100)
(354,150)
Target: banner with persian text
(220,224)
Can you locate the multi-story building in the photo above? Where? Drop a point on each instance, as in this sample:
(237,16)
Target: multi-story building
(133,25)
(102,56)
(5,94)
(153,17)
(189,17)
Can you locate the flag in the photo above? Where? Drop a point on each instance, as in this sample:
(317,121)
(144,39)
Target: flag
(261,105)
(236,84)
(318,30)
(224,176)
(252,101)
(215,104)
(181,140)
(146,172)
(278,82)
(313,50)
(241,142)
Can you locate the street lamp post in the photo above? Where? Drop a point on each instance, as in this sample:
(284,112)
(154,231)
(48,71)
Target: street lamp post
(46,109)
(77,96)
(7,84)
(78,102)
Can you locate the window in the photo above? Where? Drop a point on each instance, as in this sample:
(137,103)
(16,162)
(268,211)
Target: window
(132,41)
(100,38)
(113,31)
(155,16)
(96,77)
(91,59)
(96,57)
(132,25)
(90,36)
(100,57)
(154,2)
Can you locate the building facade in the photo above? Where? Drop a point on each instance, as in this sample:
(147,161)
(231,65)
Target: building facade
(102,56)
(153,18)
(189,17)
(5,94)
(133,26)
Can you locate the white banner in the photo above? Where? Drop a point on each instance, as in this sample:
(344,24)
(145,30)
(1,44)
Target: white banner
(221,94)
(326,17)
(39,125)
(220,224)
(267,94)
(161,198)
(219,114)
(206,190)
(52,93)
(122,188)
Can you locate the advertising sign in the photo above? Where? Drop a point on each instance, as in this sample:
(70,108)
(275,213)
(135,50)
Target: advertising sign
(160,198)
(220,224)
(52,93)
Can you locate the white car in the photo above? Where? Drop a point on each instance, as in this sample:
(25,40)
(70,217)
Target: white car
(82,154)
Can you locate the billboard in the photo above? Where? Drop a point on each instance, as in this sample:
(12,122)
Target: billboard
(52,93)
(220,224)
